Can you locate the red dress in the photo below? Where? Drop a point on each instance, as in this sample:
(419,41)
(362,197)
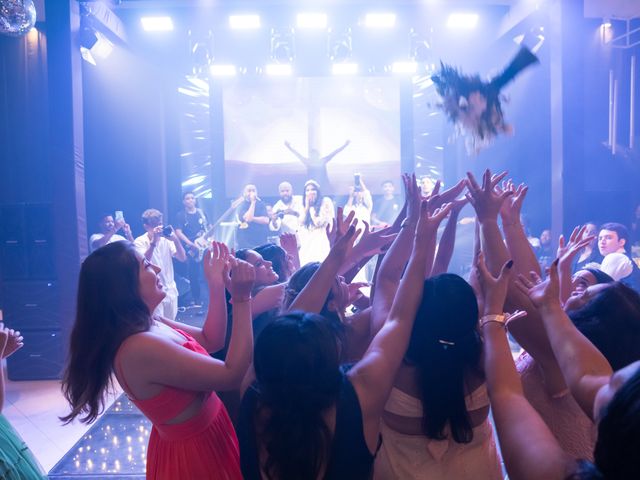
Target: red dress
(203,447)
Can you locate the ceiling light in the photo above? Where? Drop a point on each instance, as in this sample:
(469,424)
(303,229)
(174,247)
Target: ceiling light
(157,24)
(380,20)
(311,20)
(244,22)
(462,20)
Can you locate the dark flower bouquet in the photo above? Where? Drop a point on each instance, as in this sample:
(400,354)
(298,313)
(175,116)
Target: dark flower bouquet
(474,105)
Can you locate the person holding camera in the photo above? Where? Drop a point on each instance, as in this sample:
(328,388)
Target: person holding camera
(160,245)
(359,201)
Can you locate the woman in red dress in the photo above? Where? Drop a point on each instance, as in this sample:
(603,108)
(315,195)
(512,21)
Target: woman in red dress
(163,366)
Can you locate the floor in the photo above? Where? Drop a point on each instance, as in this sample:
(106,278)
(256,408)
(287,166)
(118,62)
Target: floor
(33,409)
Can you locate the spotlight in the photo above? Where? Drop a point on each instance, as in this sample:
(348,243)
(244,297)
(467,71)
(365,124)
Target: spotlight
(282,45)
(462,20)
(157,24)
(93,45)
(340,47)
(420,50)
(380,20)
(311,20)
(606,23)
(244,22)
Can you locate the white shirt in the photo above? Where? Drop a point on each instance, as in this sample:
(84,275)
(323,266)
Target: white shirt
(97,236)
(288,223)
(617,265)
(162,257)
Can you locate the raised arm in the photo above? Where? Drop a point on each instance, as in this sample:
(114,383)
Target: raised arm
(394,262)
(448,239)
(567,254)
(314,295)
(518,424)
(213,333)
(160,360)
(488,202)
(514,234)
(373,376)
(328,158)
(584,368)
(298,155)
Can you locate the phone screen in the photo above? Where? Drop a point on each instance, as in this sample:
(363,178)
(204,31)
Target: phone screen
(119,215)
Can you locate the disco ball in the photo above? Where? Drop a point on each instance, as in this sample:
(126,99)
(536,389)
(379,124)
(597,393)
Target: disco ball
(17,17)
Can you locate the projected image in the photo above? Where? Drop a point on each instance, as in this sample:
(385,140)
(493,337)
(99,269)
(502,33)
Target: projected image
(325,129)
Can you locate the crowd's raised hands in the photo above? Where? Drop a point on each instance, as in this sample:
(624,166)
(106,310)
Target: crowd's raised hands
(486,199)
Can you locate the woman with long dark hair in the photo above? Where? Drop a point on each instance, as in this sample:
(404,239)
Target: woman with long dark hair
(318,213)
(306,419)
(435,424)
(163,366)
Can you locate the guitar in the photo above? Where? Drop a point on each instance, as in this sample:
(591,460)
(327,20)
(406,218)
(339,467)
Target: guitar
(203,241)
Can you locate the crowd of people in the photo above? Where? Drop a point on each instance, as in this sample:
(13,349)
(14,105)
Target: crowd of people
(298,374)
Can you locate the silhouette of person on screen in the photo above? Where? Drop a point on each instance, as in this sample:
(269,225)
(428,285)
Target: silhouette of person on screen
(317,165)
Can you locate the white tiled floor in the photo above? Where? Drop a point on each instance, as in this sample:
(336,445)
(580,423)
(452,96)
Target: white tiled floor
(33,409)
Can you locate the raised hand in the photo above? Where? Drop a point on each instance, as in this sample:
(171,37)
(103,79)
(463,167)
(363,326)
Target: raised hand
(216,262)
(339,226)
(414,197)
(486,201)
(429,222)
(10,339)
(289,242)
(577,241)
(373,243)
(542,294)
(510,209)
(242,278)
(493,290)
(343,244)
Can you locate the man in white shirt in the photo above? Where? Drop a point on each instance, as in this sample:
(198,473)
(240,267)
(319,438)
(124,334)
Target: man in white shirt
(612,241)
(287,212)
(108,229)
(159,245)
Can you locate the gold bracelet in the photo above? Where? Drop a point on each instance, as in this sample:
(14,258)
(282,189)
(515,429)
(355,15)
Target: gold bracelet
(495,318)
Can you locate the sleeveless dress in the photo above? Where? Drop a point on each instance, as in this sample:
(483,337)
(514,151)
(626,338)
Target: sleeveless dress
(350,458)
(416,457)
(16,460)
(203,447)
(575,432)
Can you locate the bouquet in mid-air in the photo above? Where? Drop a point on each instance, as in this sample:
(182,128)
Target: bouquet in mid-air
(474,105)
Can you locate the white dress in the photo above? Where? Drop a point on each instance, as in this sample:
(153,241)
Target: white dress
(313,241)
(416,457)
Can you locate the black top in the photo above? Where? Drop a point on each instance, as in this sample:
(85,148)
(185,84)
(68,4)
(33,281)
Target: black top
(192,224)
(251,234)
(387,209)
(350,458)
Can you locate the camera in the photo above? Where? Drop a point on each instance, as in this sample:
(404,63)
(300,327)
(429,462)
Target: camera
(167,231)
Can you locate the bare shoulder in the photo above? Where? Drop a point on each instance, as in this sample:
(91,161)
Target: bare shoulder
(145,346)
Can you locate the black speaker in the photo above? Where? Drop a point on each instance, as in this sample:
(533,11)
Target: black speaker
(31,305)
(41,358)
(15,264)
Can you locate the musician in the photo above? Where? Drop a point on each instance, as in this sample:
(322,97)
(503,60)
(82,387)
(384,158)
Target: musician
(253,219)
(287,212)
(191,224)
